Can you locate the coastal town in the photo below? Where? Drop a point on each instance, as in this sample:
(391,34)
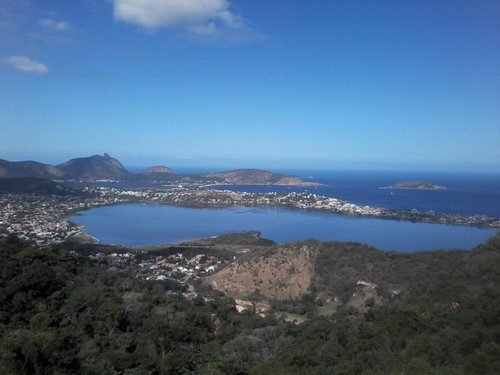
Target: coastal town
(43,218)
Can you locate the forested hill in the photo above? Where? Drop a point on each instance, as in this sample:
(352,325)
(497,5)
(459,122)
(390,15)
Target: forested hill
(60,314)
(34,185)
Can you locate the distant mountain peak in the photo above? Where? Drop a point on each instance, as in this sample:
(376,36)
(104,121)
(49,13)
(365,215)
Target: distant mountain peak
(105,167)
(94,167)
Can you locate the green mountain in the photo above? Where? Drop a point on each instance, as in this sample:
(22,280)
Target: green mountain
(61,313)
(29,169)
(94,167)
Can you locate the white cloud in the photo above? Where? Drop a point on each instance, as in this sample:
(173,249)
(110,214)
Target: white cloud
(54,25)
(196,16)
(25,64)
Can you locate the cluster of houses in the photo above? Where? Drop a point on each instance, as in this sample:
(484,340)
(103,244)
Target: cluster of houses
(159,267)
(42,218)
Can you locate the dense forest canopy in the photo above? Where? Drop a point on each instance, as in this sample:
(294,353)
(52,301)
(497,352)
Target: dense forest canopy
(60,313)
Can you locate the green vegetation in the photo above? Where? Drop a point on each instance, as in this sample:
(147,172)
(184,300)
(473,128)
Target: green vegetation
(61,314)
(34,185)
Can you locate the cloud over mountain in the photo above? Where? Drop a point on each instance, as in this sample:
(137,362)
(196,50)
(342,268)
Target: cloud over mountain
(196,16)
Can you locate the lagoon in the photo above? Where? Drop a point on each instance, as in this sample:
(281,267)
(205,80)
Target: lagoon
(149,224)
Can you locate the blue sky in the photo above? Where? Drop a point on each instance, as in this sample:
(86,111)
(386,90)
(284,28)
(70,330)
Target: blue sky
(277,84)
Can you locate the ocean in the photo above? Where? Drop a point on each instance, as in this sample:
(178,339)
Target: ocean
(465,194)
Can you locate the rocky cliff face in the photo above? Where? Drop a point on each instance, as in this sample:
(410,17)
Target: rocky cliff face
(286,273)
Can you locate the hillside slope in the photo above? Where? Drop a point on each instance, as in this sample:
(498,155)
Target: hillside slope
(29,169)
(62,313)
(284,272)
(94,167)
(346,274)
(33,185)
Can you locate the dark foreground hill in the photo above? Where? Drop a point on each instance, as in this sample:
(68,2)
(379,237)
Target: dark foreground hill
(60,314)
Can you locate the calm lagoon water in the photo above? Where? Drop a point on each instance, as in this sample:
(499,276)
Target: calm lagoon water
(147,224)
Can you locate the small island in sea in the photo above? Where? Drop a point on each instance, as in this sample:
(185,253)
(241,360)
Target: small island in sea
(421,185)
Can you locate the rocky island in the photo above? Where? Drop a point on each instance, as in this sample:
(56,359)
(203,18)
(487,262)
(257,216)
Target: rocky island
(257,177)
(419,185)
